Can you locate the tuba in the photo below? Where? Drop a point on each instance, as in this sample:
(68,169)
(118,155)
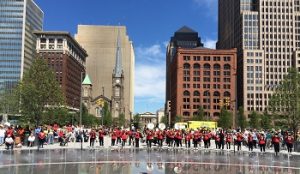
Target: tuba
(162,126)
(150,126)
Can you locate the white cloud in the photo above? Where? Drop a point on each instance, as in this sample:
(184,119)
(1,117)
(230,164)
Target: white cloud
(150,74)
(209,43)
(153,53)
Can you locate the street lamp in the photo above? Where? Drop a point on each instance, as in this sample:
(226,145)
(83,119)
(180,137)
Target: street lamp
(80,119)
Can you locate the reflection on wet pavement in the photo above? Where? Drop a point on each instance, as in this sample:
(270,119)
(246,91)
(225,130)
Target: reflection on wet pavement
(95,161)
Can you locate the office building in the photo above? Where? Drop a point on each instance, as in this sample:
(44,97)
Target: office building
(67,58)
(101,44)
(199,77)
(18,20)
(267,37)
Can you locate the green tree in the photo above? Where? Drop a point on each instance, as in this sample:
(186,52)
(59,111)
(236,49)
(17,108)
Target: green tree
(241,119)
(107,117)
(265,121)
(285,101)
(254,120)
(136,120)
(39,92)
(200,115)
(122,120)
(9,102)
(225,120)
(164,119)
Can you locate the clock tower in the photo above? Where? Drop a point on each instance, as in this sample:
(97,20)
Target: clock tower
(117,100)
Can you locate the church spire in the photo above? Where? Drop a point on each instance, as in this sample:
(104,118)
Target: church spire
(118,66)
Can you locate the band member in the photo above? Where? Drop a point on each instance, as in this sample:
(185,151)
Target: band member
(195,139)
(222,137)
(262,143)
(250,142)
(101,137)
(160,137)
(239,139)
(113,137)
(178,137)
(188,137)
(149,138)
(289,142)
(206,139)
(137,137)
(228,140)
(276,141)
(217,140)
(92,137)
(124,138)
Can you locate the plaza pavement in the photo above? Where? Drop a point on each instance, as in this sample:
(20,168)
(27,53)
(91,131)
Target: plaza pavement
(107,145)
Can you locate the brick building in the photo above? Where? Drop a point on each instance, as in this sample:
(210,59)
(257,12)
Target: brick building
(67,58)
(198,76)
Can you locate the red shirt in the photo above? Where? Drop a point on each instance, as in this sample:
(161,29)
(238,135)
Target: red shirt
(93,134)
(42,135)
(188,136)
(101,134)
(114,135)
(149,136)
(228,138)
(124,136)
(262,140)
(275,139)
(239,138)
(137,135)
(289,140)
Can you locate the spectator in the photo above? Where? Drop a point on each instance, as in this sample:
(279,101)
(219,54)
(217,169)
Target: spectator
(9,142)
(31,140)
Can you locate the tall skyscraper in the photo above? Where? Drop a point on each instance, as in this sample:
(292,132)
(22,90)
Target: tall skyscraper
(100,42)
(67,58)
(199,77)
(266,34)
(18,20)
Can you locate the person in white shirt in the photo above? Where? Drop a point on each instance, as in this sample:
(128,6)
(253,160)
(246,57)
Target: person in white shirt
(31,139)
(2,134)
(9,142)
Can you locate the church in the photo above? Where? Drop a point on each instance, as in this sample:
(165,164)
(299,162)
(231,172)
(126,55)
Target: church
(116,100)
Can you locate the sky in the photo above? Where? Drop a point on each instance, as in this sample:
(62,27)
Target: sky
(150,24)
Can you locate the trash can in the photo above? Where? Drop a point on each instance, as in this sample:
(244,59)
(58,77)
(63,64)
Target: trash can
(297,146)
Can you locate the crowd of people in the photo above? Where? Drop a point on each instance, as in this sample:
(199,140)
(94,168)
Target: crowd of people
(223,139)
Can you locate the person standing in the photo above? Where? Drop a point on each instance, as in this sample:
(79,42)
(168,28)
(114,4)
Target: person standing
(113,138)
(262,143)
(188,137)
(239,139)
(276,143)
(149,138)
(137,137)
(250,142)
(41,137)
(2,134)
(101,137)
(31,140)
(92,138)
(228,140)
(160,138)
(124,138)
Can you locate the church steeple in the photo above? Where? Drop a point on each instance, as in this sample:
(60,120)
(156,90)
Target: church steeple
(118,70)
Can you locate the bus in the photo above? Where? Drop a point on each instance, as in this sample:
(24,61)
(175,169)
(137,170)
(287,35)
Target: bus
(181,125)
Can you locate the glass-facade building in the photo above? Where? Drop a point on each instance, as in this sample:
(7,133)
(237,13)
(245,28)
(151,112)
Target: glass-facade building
(18,20)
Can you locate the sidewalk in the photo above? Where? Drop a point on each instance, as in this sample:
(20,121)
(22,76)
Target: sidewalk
(107,145)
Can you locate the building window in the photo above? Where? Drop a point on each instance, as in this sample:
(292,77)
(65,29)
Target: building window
(196,93)
(186,93)
(196,66)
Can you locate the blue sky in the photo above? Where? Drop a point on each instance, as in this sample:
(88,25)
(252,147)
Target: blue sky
(150,24)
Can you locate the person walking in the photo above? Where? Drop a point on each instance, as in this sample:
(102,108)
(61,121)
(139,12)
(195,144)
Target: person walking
(228,140)
(137,137)
(113,138)
(101,134)
(289,142)
(239,139)
(124,138)
(250,142)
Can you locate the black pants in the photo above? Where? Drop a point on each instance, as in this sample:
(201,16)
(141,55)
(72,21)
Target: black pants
(123,143)
(188,143)
(160,142)
(205,144)
(221,144)
(9,145)
(276,148)
(289,147)
(92,142)
(137,142)
(113,142)
(101,142)
(228,145)
(262,147)
(195,142)
(130,140)
(239,145)
(250,145)
(41,143)
(118,140)
(149,143)
(254,144)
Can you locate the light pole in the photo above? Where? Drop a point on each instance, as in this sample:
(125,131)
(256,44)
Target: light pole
(80,118)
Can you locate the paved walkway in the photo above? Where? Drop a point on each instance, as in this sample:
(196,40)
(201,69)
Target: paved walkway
(107,144)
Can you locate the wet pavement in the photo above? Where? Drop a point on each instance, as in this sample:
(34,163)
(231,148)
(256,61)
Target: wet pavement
(143,161)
